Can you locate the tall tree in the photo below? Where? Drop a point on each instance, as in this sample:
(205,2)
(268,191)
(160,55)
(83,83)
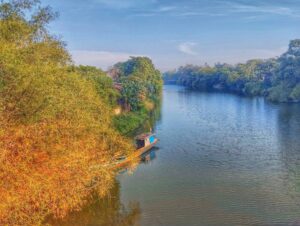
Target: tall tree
(56,136)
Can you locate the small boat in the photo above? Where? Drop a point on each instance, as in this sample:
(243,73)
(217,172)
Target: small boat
(144,143)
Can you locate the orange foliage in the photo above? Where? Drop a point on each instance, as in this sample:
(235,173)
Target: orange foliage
(39,177)
(56,140)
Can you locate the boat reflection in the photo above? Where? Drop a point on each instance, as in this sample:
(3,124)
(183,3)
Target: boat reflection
(149,156)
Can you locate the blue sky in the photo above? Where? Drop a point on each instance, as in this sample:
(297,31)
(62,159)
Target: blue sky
(175,32)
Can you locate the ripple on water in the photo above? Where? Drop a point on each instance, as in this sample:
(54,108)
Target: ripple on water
(222,160)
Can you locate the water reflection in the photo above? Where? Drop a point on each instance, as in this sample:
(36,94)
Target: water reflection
(149,156)
(105,212)
(288,123)
(223,160)
(145,159)
(109,211)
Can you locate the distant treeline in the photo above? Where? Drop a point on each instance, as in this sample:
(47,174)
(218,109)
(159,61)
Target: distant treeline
(277,79)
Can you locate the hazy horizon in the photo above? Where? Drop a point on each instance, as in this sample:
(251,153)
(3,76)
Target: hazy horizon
(174,33)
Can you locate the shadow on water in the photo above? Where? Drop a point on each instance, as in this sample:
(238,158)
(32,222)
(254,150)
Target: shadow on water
(107,211)
(149,156)
(145,159)
(288,124)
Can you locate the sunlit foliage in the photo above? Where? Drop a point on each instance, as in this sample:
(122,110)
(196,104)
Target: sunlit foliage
(103,83)
(56,136)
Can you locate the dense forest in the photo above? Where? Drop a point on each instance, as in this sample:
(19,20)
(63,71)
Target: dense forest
(59,133)
(277,79)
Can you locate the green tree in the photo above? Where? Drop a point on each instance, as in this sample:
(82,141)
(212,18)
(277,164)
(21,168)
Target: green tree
(141,81)
(103,83)
(295,94)
(140,94)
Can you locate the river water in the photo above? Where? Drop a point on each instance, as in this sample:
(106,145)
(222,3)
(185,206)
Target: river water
(221,160)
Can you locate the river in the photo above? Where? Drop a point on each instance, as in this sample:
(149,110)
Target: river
(221,160)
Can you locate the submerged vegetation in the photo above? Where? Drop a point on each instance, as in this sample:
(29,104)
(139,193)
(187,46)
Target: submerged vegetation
(57,134)
(276,79)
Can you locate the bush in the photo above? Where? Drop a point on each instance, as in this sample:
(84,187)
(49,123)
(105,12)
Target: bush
(128,122)
(295,94)
(279,93)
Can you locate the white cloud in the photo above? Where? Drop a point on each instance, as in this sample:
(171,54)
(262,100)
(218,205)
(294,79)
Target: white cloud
(195,13)
(162,10)
(116,3)
(102,59)
(220,8)
(188,48)
(264,9)
(168,61)
(143,15)
(167,8)
(124,4)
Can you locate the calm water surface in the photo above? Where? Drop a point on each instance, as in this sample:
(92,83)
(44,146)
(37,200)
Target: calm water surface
(221,160)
